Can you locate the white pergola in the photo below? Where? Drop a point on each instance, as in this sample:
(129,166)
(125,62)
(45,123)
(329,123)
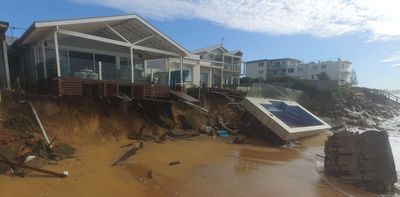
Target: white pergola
(127,31)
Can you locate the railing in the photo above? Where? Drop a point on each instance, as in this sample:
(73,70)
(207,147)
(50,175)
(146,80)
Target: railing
(73,86)
(232,67)
(387,95)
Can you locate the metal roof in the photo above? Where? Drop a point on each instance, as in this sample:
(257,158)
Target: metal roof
(221,47)
(210,48)
(132,28)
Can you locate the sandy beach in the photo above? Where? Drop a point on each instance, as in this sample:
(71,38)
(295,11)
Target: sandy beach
(209,167)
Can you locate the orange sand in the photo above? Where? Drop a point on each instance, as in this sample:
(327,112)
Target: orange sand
(209,167)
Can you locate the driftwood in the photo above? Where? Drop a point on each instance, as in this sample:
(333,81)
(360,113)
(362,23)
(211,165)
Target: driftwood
(14,166)
(126,154)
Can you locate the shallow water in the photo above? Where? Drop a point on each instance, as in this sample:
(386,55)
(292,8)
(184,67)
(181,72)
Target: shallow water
(394,138)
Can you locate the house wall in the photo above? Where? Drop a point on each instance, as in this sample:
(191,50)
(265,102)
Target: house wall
(30,72)
(255,70)
(336,70)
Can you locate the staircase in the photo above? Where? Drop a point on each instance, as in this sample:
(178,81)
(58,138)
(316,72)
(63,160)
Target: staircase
(386,94)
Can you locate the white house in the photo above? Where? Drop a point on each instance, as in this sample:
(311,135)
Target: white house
(339,70)
(273,68)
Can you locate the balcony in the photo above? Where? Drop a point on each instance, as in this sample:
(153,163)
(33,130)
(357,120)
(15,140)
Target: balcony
(232,67)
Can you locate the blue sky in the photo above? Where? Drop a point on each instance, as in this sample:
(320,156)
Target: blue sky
(368,36)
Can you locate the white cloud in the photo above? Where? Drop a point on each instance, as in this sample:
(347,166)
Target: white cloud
(380,20)
(393,59)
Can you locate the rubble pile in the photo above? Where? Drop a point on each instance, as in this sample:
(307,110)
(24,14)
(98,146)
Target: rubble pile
(360,108)
(22,147)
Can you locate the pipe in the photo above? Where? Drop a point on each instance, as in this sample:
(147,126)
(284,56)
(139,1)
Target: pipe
(40,123)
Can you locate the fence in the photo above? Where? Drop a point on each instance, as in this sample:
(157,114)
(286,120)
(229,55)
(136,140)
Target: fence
(386,94)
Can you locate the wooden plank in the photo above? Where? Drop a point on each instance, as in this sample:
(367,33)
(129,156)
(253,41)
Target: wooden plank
(184,96)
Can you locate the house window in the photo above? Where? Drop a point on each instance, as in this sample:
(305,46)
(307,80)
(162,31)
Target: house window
(260,64)
(315,67)
(300,69)
(260,72)
(124,71)
(188,72)
(283,70)
(291,70)
(323,66)
(108,66)
(80,60)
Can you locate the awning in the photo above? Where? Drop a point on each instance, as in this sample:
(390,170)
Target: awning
(121,31)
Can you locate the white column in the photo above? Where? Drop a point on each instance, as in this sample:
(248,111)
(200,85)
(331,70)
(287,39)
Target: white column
(44,60)
(222,77)
(181,69)
(145,67)
(151,75)
(57,54)
(100,71)
(169,71)
(210,78)
(132,69)
(6,67)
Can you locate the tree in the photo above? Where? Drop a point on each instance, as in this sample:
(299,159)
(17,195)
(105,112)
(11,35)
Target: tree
(353,78)
(323,76)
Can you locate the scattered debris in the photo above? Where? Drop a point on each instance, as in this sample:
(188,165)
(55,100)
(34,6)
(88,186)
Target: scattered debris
(364,159)
(223,134)
(172,163)
(126,154)
(149,174)
(206,129)
(15,168)
(224,126)
(123,146)
(180,133)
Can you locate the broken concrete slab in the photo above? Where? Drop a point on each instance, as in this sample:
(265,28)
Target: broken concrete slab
(364,159)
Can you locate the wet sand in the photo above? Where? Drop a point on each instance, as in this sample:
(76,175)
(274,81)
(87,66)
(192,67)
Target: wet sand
(209,167)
